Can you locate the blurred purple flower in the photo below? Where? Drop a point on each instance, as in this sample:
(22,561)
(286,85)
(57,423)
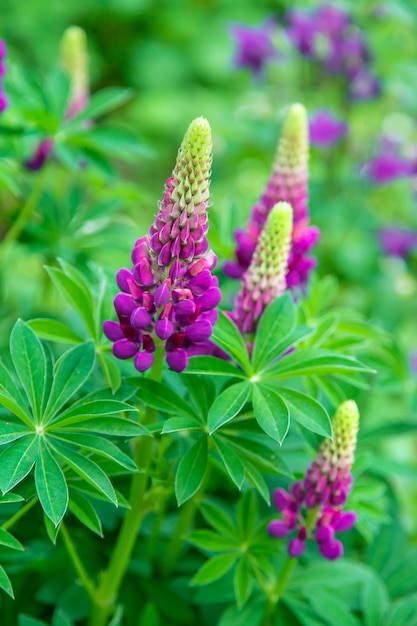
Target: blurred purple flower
(313,507)
(301,31)
(364,86)
(325,129)
(3,98)
(40,155)
(396,241)
(387,167)
(254,45)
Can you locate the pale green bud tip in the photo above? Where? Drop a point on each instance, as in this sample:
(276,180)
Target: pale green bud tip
(280,217)
(197,139)
(347,416)
(74,42)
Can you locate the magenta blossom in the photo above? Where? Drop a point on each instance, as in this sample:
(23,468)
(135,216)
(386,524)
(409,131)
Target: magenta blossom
(3,98)
(397,241)
(313,507)
(326,129)
(254,45)
(169,297)
(386,167)
(287,183)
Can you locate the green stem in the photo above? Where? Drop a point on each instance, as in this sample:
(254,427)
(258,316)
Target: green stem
(112,577)
(278,590)
(76,561)
(20,513)
(26,211)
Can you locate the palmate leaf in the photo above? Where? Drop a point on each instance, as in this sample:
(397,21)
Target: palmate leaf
(191,470)
(307,411)
(10,431)
(271,412)
(228,337)
(51,485)
(86,468)
(213,366)
(112,426)
(212,542)
(102,447)
(91,408)
(228,404)
(159,396)
(17,461)
(12,398)
(312,362)
(71,371)
(30,364)
(84,511)
(276,323)
(231,461)
(6,539)
(5,583)
(214,568)
(52,330)
(100,103)
(242,582)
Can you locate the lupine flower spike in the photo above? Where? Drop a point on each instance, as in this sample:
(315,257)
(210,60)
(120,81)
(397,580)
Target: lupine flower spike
(313,507)
(169,296)
(264,280)
(3,53)
(288,182)
(74,61)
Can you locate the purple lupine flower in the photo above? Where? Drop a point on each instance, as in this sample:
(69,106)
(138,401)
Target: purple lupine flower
(254,45)
(302,30)
(74,61)
(169,296)
(3,98)
(288,182)
(264,280)
(364,86)
(313,507)
(325,129)
(397,241)
(386,167)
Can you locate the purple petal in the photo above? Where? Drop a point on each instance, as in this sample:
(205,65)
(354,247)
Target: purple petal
(280,499)
(210,299)
(143,360)
(332,550)
(124,304)
(277,528)
(112,330)
(177,360)
(324,534)
(124,349)
(199,332)
(184,307)
(296,548)
(164,328)
(345,522)
(140,318)
(122,277)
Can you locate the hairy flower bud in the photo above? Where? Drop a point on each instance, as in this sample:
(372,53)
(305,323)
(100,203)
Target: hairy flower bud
(264,280)
(313,506)
(74,61)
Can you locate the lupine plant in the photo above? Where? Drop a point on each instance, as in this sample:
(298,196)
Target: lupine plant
(180,386)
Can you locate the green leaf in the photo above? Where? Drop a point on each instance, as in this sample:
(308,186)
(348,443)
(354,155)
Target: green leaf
(9,431)
(213,366)
(90,408)
(290,341)
(213,542)
(228,337)
(177,424)
(250,615)
(17,461)
(12,398)
(191,471)
(330,607)
(231,461)
(60,619)
(7,498)
(314,362)
(258,481)
(218,519)
(30,363)
(100,103)
(87,469)
(159,396)
(228,404)
(374,601)
(6,539)
(213,569)
(77,296)
(113,426)
(5,583)
(277,321)
(51,485)
(110,371)
(307,411)
(85,513)
(247,515)
(271,412)
(71,371)
(242,582)
(103,447)
(53,330)
(51,529)
(25,620)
